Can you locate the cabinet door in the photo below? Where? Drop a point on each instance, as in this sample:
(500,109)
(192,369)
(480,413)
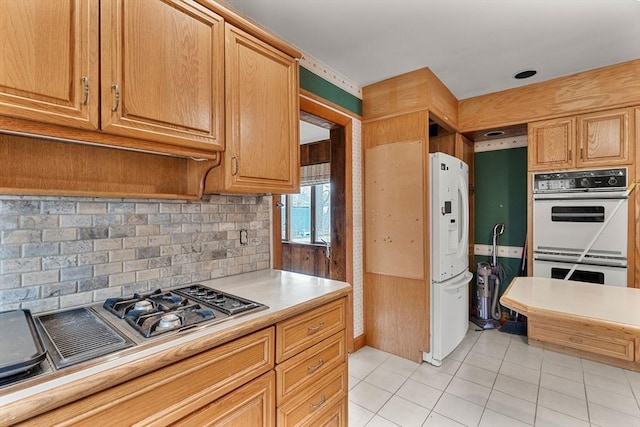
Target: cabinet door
(551,144)
(262,153)
(49,65)
(162,72)
(636,141)
(604,138)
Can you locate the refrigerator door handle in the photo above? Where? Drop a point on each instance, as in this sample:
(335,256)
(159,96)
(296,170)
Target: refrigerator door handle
(464,196)
(458,282)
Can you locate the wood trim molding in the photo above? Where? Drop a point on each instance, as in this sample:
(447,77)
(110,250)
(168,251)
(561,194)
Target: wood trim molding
(358,342)
(311,98)
(408,93)
(338,116)
(600,89)
(236,18)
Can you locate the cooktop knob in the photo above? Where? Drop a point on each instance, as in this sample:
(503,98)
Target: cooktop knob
(613,181)
(584,182)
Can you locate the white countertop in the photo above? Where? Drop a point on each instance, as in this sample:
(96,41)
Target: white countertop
(285,294)
(608,303)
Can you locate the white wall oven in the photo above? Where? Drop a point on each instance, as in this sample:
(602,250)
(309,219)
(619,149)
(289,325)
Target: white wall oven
(578,210)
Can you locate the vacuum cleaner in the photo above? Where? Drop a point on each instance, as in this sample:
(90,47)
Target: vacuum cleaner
(489,277)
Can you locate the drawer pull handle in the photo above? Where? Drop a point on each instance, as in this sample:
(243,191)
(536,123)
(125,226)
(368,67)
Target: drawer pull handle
(314,329)
(234,168)
(85,90)
(116,97)
(315,406)
(313,368)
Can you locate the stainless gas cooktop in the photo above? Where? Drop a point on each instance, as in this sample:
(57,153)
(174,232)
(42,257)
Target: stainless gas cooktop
(78,335)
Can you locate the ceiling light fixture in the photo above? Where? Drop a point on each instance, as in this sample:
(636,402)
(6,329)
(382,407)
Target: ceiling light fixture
(525,74)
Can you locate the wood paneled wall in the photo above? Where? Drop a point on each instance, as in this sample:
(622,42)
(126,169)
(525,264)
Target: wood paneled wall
(315,153)
(396,308)
(305,258)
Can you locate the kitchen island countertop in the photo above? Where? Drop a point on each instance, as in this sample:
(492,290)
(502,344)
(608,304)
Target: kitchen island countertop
(285,293)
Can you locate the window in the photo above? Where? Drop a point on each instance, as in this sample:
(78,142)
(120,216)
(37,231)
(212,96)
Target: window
(306,216)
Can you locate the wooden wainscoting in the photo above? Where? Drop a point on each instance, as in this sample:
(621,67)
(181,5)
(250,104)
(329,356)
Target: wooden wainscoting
(305,258)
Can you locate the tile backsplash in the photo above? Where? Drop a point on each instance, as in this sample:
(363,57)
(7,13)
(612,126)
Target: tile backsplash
(58,252)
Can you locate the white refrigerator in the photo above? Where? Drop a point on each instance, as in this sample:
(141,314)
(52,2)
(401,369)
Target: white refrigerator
(449,263)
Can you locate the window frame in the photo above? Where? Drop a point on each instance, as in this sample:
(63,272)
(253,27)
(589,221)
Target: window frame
(286,225)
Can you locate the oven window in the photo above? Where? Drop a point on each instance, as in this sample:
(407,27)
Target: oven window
(577,213)
(578,275)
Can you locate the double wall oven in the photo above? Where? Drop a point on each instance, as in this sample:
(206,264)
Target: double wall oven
(578,210)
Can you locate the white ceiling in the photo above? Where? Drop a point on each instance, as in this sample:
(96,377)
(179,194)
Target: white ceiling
(474,46)
(312,133)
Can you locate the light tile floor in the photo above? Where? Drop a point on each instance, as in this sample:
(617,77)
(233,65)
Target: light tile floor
(491,379)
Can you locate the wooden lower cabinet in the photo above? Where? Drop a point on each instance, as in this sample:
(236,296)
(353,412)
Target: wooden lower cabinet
(236,384)
(313,403)
(168,394)
(311,373)
(304,330)
(335,416)
(603,342)
(250,405)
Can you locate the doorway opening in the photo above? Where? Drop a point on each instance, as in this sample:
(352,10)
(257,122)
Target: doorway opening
(311,228)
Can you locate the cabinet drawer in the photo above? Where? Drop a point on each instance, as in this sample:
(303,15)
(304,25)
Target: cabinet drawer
(336,416)
(303,331)
(169,393)
(307,407)
(250,405)
(302,369)
(584,337)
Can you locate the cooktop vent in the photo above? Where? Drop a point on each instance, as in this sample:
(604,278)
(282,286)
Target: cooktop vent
(79,335)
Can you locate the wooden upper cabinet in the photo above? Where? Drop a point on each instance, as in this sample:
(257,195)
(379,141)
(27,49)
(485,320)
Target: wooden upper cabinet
(551,144)
(262,152)
(162,71)
(49,61)
(604,138)
(599,139)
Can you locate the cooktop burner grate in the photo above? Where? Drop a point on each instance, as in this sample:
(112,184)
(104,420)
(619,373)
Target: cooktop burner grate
(78,335)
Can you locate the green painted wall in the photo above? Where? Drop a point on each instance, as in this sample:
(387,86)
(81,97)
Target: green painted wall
(319,86)
(501,196)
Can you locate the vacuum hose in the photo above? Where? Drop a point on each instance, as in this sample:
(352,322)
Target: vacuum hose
(496,310)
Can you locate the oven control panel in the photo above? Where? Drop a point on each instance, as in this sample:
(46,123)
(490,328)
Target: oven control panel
(580,180)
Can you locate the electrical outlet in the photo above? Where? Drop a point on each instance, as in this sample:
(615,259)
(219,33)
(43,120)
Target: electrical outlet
(244,237)
(503,251)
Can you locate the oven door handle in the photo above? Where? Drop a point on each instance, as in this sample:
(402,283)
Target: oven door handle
(567,216)
(580,196)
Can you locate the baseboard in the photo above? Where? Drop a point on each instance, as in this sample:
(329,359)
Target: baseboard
(358,343)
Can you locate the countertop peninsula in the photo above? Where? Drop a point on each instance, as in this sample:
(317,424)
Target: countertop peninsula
(607,303)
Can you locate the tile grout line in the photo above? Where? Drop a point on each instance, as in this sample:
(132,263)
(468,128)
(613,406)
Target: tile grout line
(513,347)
